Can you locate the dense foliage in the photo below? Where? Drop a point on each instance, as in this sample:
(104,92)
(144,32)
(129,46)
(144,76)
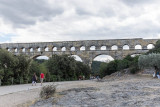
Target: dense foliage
(117,65)
(64,67)
(13,69)
(95,67)
(20,69)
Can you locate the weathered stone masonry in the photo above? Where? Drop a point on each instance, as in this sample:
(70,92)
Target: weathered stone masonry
(87,55)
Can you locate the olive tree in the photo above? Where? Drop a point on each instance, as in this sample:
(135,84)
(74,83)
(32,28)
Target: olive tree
(150,60)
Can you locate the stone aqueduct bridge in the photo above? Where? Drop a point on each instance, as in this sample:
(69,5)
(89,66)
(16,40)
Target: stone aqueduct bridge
(87,50)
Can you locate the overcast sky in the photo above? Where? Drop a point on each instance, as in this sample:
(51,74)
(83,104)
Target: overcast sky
(67,20)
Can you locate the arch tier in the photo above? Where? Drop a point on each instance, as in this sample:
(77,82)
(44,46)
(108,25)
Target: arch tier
(86,54)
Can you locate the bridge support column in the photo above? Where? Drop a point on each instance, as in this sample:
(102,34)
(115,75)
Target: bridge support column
(50,48)
(20,50)
(132,47)
(144,47)
(117,55)
(28,50)
(12,50)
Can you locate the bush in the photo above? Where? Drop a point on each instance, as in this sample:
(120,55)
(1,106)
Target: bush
(48,91)
(133,70)
(122,64)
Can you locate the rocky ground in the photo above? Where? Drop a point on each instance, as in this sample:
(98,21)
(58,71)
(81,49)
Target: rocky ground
(113,91)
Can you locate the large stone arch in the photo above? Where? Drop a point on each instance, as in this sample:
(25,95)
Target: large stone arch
(101,54)
(37,55)
(78,56)
(91,58)
(103,58)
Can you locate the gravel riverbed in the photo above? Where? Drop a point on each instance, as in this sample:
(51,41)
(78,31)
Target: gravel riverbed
(123,91)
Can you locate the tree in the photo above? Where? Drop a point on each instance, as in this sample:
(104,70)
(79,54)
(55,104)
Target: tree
(62,66)
(7,63)
(150,60)
(95,67)
(123,64)
(108,68)
(103,69)
(82,70)
(23,68)
(65,67)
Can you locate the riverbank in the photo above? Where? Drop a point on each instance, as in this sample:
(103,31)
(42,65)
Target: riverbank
(123,91)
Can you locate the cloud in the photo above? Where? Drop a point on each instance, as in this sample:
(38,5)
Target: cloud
(66,20)
(138,2)
(22,13)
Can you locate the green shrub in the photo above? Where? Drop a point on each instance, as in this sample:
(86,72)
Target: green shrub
(48,91)
(122,64)
(133,70)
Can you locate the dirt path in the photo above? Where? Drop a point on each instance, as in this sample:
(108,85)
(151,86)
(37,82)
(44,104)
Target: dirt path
(18,98)
(25,95)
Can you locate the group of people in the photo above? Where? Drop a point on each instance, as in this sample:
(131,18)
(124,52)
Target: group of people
(93,77)
(34,78)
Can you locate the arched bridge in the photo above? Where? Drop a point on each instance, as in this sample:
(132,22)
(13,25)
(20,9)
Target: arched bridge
(87,50)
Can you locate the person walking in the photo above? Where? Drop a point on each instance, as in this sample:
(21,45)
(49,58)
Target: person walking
(41,78)
(34,79)
(156,74)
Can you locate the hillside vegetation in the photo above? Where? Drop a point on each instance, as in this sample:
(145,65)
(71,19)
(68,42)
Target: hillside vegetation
(134,64)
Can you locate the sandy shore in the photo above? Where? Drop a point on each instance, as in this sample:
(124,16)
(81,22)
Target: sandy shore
(125,91)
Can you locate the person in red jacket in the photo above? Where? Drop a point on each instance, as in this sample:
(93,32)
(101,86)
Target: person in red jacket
(41,78)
